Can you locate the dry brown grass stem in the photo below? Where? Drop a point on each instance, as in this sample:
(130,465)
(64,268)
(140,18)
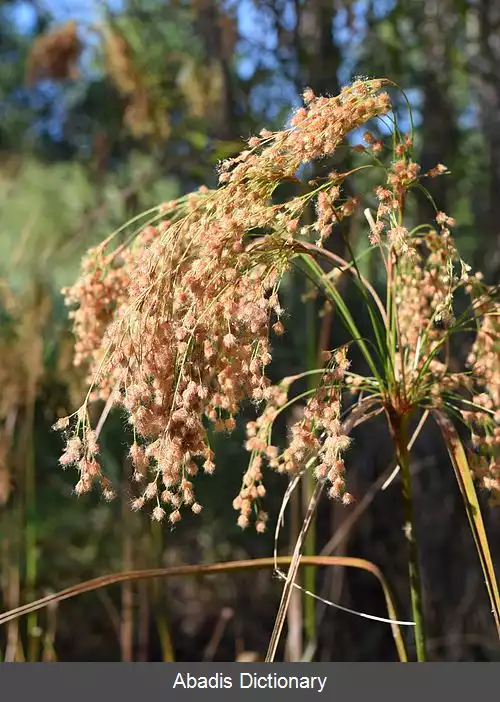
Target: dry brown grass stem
(213,569)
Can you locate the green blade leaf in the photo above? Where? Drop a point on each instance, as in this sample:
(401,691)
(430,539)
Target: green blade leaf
(465,483)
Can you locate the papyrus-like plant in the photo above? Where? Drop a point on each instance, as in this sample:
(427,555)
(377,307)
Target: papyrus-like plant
(176,324)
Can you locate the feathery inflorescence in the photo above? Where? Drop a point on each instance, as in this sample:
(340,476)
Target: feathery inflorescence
(175,327)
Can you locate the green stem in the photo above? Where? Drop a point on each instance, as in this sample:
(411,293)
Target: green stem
(399,428)
(161,615)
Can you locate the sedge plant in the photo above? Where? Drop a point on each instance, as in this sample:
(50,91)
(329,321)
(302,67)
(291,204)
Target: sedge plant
(175,325)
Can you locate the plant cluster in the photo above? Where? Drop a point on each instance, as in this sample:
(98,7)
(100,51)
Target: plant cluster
(176,324)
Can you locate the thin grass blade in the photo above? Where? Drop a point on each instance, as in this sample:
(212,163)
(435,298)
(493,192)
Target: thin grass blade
(465,483)
(213,569)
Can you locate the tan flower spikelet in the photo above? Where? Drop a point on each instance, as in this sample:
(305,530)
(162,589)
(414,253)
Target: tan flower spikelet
(118,59)
(177,324)
(175,327)
(55,55)
(315,435)
(484,360)
(428,273)
(424,285)
(144,114)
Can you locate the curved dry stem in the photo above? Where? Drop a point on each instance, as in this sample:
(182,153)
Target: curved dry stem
(213,569)
(295,562)
(358,415)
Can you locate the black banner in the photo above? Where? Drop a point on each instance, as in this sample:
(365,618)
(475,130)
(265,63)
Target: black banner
(152,682)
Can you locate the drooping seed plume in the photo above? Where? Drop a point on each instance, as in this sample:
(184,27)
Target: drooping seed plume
(175,327)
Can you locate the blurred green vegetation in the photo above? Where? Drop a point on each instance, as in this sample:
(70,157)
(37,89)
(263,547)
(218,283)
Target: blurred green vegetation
(104,114)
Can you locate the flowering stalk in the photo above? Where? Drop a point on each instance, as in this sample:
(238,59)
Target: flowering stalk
(176,327)
(399,431)
(216,568)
